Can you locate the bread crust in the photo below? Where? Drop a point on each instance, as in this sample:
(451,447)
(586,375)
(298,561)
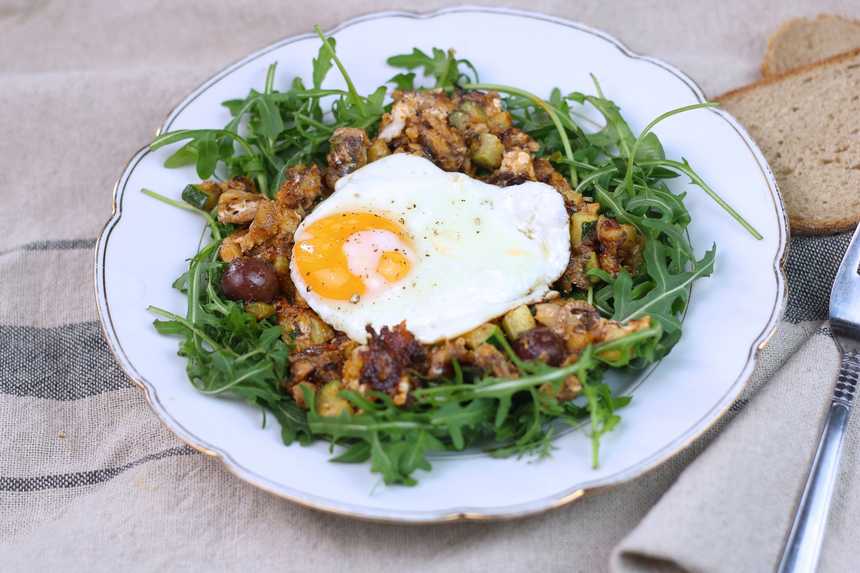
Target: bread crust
(788,74)
(800,223)
(772,41)
(800,226)
(776,37)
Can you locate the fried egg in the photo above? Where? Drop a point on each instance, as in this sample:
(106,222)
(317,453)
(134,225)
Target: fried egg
(402,240)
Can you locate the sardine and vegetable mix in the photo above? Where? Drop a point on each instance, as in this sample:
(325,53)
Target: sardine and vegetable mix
(429,268)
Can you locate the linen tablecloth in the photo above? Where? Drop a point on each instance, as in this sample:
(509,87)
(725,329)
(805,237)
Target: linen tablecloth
(90,480)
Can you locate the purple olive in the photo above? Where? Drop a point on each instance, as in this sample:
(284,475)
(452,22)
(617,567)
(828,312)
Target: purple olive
(542,344)
(250,279)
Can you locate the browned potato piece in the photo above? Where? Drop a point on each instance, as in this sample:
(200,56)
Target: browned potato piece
(302,327)
(329,403)
(378,150)
(499,122)
(517,321)
(475,338)
(260,310)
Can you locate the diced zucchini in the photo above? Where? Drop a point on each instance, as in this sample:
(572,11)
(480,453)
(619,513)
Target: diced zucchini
(592,263)
(203,195)
(458,120)
(480,335)
(378,150)
(588,230)
(260,310)
(320,332)
(582,228)
(194,196)
(475,112)
(517,321)
(488,152)
(303,329)
(330,403)
(499,122)
(589,207)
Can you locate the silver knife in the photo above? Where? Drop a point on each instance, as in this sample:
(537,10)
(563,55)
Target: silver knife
(803,547)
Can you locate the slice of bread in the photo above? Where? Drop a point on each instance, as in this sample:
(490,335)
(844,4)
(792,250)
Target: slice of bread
(805,41)
(807,123)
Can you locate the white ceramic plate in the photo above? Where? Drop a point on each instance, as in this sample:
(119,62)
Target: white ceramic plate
(145,245)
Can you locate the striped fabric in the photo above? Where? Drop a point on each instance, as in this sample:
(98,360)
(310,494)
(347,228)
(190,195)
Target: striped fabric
(89,478)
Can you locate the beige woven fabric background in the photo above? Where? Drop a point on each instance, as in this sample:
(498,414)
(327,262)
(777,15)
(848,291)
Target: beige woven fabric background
(89,479)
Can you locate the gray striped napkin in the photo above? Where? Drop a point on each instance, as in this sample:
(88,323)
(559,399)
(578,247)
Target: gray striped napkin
(90,479)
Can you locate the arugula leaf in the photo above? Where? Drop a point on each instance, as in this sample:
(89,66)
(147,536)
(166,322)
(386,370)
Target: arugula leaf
(185,155)
(403,82)
(357,453)
(670,291)
(684,167)
(602,406)
(328,46)
(323,63)
(271,123)
(650,148)
(442,65)
(207,156)
(454,418)
(438,66)
(616,132)
(292,419)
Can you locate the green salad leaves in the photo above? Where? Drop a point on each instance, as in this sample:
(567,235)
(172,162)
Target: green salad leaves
(230,352)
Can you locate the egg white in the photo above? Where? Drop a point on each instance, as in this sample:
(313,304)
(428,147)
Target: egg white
(479,250)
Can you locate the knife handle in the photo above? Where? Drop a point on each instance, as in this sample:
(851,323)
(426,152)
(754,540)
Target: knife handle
(803,547)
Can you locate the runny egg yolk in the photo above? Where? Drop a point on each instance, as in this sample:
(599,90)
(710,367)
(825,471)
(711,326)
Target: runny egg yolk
(393,266)
(346,255)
